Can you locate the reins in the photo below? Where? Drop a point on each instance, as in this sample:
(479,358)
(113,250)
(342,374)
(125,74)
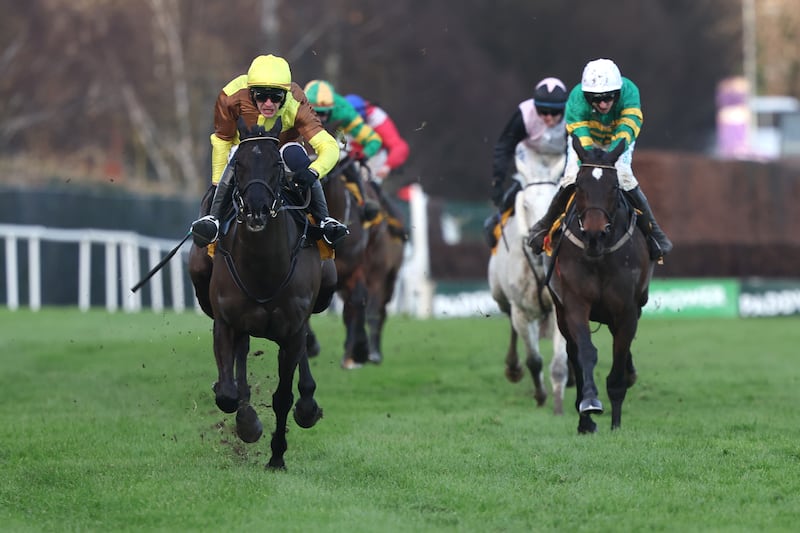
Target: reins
(278,204)
(229,262)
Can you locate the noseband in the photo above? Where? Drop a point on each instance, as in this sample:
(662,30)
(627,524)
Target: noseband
(579,242)
(275,206)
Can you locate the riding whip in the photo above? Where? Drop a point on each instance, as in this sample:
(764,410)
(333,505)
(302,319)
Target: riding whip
(160,264)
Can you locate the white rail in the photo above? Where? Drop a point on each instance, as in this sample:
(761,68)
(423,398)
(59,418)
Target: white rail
(122,266)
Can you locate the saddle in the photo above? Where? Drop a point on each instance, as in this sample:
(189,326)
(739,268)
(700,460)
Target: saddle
(555,229)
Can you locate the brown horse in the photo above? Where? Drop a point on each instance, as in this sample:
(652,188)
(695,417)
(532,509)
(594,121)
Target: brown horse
(350,260)
(265,282)
(384,258)
(602,272)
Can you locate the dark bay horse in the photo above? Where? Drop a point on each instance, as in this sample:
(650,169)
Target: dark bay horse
(265,282)
(350,260)
(384,257)
(602,272)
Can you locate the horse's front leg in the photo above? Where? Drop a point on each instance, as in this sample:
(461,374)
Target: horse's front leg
(585,422)
(283,398)
(587,359)
(248,426)
(226,342)
(529,329)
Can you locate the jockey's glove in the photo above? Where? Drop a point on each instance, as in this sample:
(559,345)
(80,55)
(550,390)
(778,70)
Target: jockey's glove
(305,178)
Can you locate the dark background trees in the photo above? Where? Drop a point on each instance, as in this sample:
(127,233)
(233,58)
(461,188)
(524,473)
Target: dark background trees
(122,92)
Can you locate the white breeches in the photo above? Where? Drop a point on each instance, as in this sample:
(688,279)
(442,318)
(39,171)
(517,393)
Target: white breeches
(623,165)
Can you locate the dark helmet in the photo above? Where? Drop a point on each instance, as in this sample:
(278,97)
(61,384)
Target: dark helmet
(550,93)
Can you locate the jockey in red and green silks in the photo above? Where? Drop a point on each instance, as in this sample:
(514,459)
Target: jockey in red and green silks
(334,109)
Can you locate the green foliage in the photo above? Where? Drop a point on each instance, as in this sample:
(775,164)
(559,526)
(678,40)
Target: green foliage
(108,423)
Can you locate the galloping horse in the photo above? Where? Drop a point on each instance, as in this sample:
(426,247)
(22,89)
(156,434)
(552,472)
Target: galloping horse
(602,273)
(516,277)
(265,282)
(350,261)
(384,257)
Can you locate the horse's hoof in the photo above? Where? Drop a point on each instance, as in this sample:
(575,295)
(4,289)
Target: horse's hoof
(350,364)
(591,406)
(375,358)
(541,398)
(227,404)
(308,419)
(558,409)
(276,463)
(514,374)
(248,426)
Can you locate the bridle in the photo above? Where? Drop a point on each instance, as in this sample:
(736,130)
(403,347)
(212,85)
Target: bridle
(579,242)
(277,205)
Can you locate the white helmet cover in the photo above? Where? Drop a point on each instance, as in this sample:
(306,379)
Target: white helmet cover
(601,76)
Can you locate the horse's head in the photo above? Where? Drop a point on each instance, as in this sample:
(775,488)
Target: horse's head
(597,195)
(259,174)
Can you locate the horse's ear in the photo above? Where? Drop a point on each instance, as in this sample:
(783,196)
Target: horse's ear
(614,154)
(576,144)
(246,133)
(276,129)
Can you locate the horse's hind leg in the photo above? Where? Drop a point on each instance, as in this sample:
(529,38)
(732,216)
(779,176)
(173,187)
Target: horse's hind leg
(618,379)
(200,264)
(248,426)
(356,345)
(559,370)
(513,368)
(200,268)
(375,317)
(327,287)
(312,343)
(630,370)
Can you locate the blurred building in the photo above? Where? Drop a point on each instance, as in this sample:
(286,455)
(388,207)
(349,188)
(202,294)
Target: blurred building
(755,127)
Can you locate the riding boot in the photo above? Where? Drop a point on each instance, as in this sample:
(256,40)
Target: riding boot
(540,230)
(396,226)
(658,242)
(371,208)
(206,229)
(333,231)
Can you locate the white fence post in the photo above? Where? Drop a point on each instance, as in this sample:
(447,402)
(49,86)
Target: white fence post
(84,274)
(34,273)
(12,281)
(417,277)
(112,271)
